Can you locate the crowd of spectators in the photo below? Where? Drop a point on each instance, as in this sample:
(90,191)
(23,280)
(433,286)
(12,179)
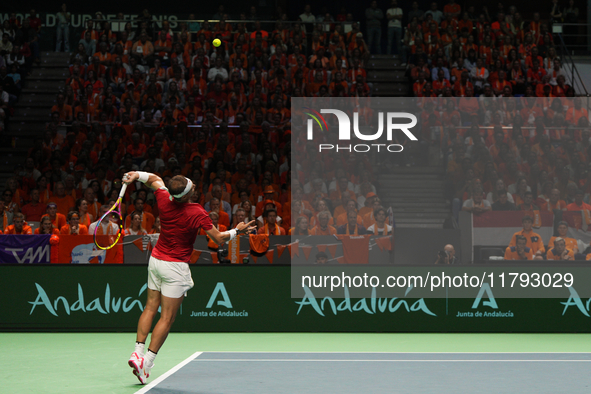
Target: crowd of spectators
(464,54)
(19,49)
(179,105)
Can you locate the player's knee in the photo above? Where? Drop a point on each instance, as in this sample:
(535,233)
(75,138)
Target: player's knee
(168,318)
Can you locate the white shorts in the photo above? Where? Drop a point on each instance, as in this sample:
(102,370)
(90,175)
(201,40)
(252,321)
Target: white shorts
(171,278)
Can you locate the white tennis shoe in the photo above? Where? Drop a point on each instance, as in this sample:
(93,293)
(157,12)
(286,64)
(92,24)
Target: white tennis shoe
(140,367)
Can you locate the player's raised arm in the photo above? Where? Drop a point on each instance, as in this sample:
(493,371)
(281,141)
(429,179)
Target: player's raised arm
(153,181)
(221,237)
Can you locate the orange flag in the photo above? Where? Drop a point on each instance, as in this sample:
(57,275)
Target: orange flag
(280,249)
(269,255)
(254,258)
(140,245)
(294,249)
(332,249)
(195,256)
(214,257)
(341,260)
(307,250)
(321,248)
(384,243)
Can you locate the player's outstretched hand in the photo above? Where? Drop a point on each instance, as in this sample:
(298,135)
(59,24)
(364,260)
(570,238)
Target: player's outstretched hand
(130,177)
(244,228)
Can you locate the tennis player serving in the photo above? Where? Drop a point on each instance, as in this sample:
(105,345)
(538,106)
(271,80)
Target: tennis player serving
(169,276)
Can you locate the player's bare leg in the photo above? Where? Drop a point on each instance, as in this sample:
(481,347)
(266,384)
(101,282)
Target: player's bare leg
(145,323)
(136,361)
(170,307)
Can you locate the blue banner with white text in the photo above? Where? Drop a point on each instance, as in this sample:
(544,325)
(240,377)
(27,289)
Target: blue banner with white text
(25,249)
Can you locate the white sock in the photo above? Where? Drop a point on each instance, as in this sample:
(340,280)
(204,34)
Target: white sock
(149,357)
(139,348)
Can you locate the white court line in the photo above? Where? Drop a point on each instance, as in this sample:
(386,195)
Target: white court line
(168,373)
(361,352)
(380,361)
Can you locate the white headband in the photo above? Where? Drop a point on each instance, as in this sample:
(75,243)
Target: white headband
(187,190)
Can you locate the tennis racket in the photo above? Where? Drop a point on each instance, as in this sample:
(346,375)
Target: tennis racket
(115,209)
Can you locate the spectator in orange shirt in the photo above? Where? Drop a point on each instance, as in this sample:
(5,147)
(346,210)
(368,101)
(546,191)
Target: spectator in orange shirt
(34,209)
(269,195)
(554,202)
(323,228)
(64,110)
(18,226)
(520,251)
(214,206)
(143,50)
(135,227)
(136,148)
(571,243)
(74,227)
(301,227)
(528,204)
(46,227)
(147,218)
(271,227)
(63,202)
(534,241)
(560,251)
(574,114)
(578,205)
(57,219)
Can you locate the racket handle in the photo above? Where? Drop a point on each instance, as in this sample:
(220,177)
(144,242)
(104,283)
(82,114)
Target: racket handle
(123,189)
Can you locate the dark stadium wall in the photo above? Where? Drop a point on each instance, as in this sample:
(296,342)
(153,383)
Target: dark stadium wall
(264,7)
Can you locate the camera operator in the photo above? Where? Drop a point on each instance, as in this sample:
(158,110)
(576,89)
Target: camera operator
(447,256)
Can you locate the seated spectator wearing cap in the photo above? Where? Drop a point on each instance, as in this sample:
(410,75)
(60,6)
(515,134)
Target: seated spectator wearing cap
(533,240)
(352,227)
(380,227)
(560,251)
(578,204)
(45,227)
(271,227)
(19,226)
(269,195)
(571,243)
(368,204)
(301,227)
(519,251)
(323,228)
(57,219)
(34,209)
(74,227)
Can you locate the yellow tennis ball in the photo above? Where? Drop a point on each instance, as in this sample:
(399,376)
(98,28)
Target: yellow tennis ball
(217,42)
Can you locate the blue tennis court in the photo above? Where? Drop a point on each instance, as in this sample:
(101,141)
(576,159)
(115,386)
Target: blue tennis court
(322,373)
